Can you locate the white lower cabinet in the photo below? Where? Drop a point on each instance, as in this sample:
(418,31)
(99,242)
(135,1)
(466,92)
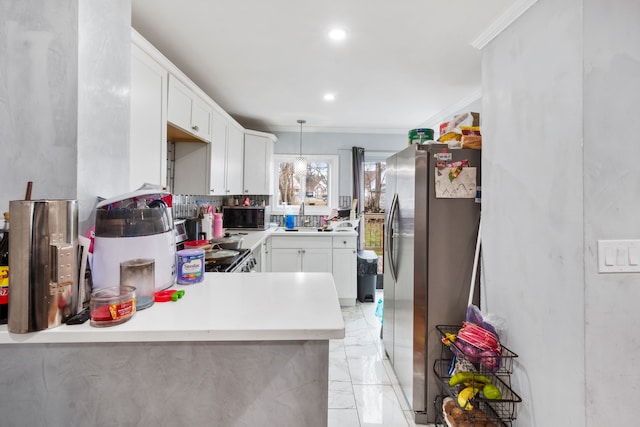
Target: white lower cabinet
(345,275)
(301,254)
(335,255)
(286,260)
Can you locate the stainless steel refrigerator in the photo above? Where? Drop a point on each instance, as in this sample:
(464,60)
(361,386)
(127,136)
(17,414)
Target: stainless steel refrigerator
(430,239)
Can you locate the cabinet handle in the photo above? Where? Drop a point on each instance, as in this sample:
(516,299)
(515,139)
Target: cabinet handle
(344,242)
(195,127)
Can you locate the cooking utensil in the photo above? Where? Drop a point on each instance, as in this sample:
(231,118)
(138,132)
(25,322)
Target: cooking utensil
(220,255)
(27,195)
(232,242)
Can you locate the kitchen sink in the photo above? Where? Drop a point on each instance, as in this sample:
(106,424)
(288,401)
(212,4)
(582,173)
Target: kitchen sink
(299,230)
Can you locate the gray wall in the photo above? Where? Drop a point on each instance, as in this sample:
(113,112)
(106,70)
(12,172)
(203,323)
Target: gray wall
(559,172)
(64,100)
(340,144)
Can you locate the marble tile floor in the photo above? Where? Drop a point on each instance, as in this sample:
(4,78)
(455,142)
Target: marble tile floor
(363,389)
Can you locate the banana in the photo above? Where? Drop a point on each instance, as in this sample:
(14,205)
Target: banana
(465,396)
(463,377)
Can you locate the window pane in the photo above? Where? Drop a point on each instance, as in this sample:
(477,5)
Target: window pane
(317,184)
(288,185)
(374,180)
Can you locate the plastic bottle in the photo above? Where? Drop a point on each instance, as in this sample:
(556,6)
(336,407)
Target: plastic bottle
(4,274)
(217,225)
(289,219)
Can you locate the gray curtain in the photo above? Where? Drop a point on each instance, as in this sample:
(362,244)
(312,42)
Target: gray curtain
(357,159)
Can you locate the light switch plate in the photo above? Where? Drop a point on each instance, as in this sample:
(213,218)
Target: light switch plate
(618,256)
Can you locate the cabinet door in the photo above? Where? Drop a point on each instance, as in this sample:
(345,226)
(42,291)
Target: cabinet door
(270,165)
(201,118)
(285,260)
(235,150)
(265,262)
(316,260)
(255,176)
(188,111)
(345,275)
(179,109)
(148,137)
(218,157)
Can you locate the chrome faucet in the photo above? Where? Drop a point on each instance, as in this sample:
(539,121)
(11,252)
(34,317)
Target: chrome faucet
(301,208)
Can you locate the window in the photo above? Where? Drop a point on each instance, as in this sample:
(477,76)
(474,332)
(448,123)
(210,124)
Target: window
(374,180)
(318,188)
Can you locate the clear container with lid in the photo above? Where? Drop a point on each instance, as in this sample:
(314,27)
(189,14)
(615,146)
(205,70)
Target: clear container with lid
(112,306)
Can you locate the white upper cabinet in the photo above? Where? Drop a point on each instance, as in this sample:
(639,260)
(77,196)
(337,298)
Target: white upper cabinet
(188,111)
(218,156)
(235,151)
(208,150)
(258,163)
(148,137)
(225,177)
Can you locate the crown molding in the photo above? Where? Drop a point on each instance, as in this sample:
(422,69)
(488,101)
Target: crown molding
(320,129)
(502,22)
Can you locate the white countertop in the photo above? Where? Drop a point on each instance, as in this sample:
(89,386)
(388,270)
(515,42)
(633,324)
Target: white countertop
(224,307)
(311,231)
(252,239)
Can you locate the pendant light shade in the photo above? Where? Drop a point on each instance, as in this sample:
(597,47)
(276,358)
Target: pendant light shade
(300,163)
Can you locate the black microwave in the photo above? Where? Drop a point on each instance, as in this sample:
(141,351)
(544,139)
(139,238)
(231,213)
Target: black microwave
(243,217)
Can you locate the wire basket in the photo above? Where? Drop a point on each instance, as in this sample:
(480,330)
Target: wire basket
(483,363)
(497,410)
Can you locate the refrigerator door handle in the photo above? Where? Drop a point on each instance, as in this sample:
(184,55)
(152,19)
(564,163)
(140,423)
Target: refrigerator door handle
(390,239)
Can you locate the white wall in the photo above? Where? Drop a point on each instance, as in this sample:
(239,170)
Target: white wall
(559,172)
(532,206)
(104,75)
(611,206)
(64,100)
(341,144)
(38,99)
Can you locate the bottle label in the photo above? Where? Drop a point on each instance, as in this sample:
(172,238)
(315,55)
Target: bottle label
(4,284)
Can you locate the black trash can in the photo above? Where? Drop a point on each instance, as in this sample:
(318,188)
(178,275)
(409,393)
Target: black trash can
(367,275)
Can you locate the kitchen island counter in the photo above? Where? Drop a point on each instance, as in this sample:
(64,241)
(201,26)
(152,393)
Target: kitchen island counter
(223,307)
(237,349)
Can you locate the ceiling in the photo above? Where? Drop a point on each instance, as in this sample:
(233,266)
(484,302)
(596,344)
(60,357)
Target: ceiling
(269,63)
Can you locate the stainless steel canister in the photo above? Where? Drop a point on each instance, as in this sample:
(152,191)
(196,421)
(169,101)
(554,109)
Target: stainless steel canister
(43,264)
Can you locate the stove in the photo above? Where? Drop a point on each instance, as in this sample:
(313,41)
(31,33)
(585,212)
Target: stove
(244,262)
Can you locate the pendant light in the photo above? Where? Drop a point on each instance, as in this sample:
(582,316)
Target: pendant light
(300,163)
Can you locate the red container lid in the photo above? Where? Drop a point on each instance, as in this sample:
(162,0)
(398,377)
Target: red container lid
(196,243)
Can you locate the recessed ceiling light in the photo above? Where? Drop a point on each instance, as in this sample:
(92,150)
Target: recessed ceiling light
(337,34)
(329,97)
